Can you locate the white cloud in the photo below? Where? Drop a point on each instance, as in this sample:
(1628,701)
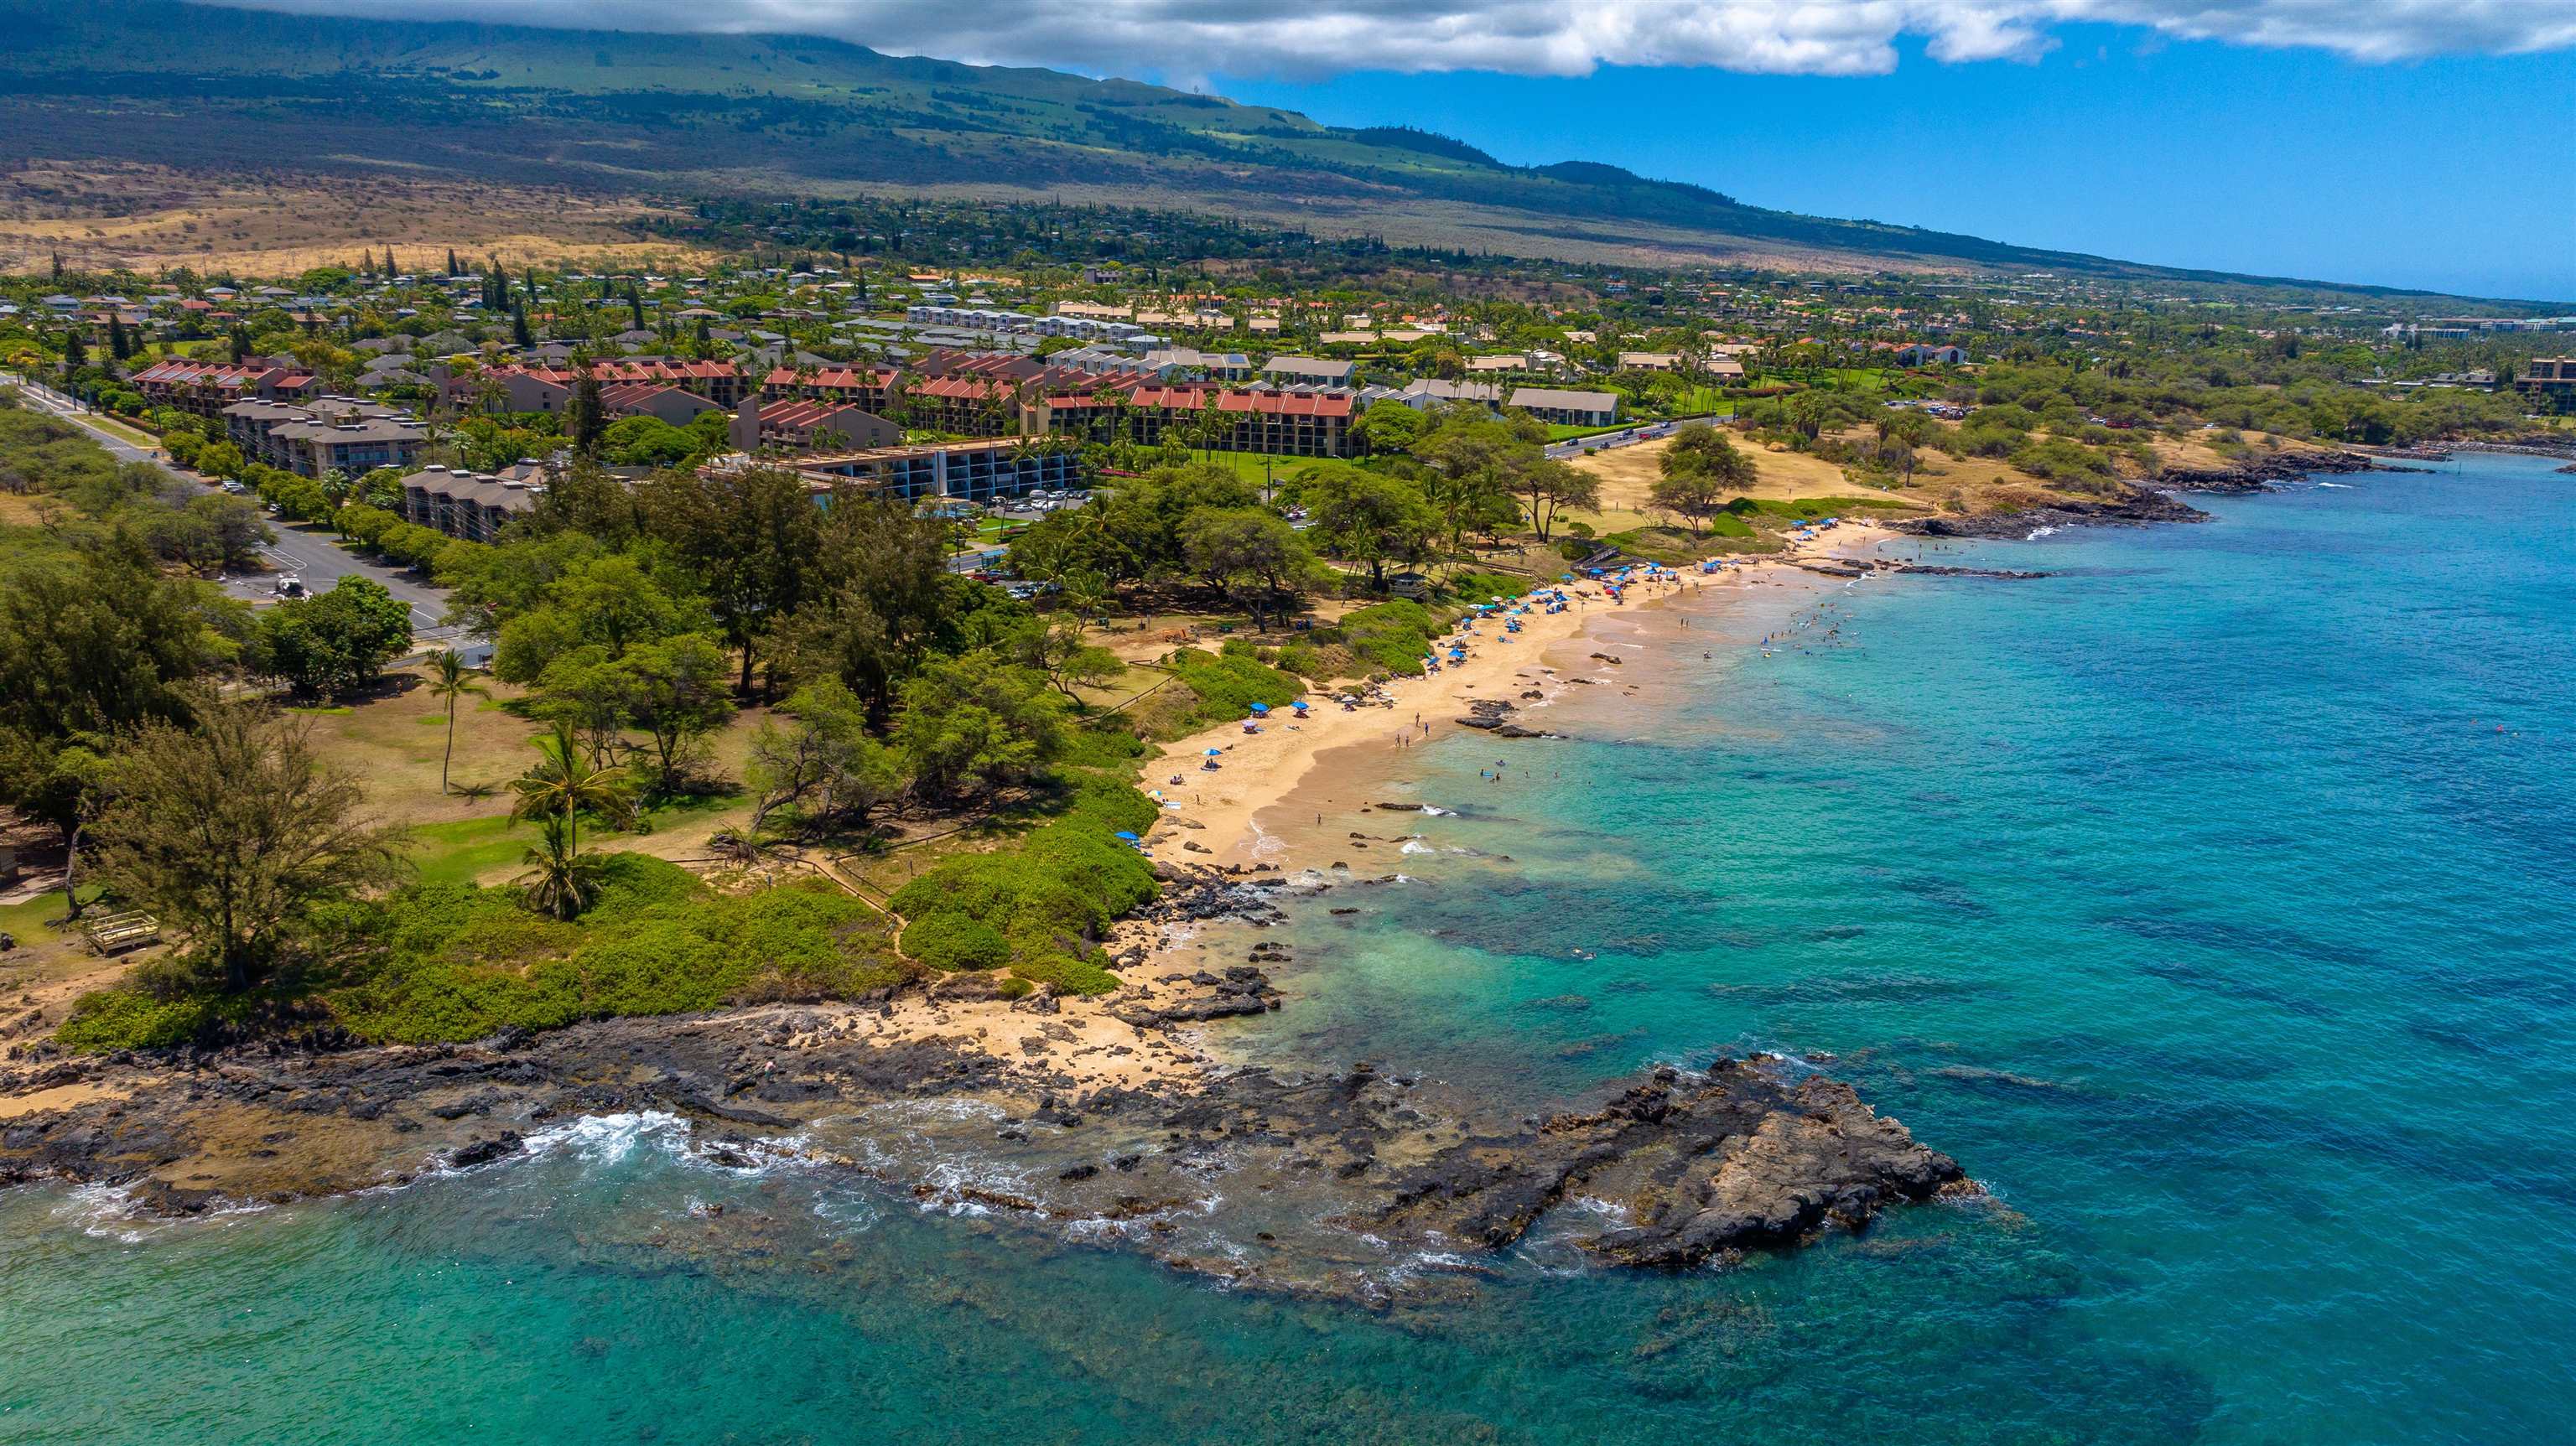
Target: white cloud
(1305,38)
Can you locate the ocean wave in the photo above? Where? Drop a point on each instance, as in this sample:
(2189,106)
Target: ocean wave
(605,1139)
(1417,846)
(597,1140)
(109,1212)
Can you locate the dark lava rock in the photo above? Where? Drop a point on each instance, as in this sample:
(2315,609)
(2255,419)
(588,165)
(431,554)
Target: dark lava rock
(2139,508)
(484,1152)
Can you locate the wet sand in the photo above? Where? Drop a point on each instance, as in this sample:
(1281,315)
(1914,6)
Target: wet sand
(1289,798)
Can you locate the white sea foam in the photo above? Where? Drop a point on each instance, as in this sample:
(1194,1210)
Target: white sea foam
(1416,846)
(607,1139)
(108,1212)
(1594,1205)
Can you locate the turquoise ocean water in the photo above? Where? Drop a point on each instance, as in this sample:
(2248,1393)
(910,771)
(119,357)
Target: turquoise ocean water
(2212,902)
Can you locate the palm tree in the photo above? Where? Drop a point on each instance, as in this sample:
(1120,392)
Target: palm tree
(449,679)
(554,793)
(562,883)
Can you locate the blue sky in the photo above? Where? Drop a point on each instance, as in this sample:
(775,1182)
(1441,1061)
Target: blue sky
(2452,173)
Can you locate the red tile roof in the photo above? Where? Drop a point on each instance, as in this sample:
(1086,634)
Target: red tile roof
(223,376)
(622,371)
(625,395)
(1277,404)
(831,377)
(802,414)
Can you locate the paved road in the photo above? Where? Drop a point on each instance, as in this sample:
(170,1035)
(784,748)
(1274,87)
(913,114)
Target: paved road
(309,553)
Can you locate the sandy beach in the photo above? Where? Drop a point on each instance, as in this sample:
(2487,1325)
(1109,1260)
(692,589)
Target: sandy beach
(1223,812)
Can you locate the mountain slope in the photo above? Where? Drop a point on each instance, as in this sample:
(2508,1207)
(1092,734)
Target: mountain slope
(198,86)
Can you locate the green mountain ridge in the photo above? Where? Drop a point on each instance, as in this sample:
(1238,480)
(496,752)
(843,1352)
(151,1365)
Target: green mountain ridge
(194,86)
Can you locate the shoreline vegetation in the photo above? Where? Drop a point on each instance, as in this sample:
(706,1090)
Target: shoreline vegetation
(764,814)
(173,1129)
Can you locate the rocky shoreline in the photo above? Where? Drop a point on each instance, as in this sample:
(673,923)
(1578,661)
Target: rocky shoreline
(2151,502)
(2141,508)
(1349,1172)
(2269,471)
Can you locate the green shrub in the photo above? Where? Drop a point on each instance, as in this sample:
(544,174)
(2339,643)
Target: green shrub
(1476,587)
(453,961)
(1390,636)
(632,883)
(1068,974)
(131,1019)
(950,941)
(1229,684)
(808,941)
(1049,898)
(1307,661)
(2059,459)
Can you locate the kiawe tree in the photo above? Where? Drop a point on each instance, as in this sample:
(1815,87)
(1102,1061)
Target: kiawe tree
(673,691)
(1701,472)
(1546,487)
(1367,517)
(973,723)
(752,539)
(334,643)
(820,767)
(1247,552)
(234,831)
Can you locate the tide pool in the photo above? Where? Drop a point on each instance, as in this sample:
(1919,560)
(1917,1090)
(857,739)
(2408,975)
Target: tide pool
(2209,901)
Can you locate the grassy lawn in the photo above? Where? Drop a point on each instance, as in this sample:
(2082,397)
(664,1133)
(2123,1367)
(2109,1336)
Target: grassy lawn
(1852,379)
(120,430)
(1253,467)
(27,921)
(1703,401)
(46,955)
(464,851)
(394,741)
(486,849)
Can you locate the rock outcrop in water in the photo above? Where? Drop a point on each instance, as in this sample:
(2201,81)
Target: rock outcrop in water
(1738,1158)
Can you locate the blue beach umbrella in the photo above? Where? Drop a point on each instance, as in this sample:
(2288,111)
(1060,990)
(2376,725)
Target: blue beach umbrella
(1260,707)
(1129,837)
(1213,752)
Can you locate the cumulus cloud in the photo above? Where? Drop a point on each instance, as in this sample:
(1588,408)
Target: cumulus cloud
(1308,38)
